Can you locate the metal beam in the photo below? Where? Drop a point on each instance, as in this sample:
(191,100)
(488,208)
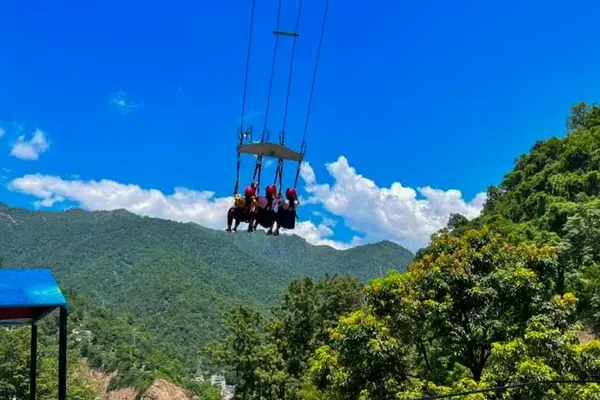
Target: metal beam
(283,33)
(271,150)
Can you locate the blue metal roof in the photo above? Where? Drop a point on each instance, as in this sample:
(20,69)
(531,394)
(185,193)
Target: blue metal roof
(26,295)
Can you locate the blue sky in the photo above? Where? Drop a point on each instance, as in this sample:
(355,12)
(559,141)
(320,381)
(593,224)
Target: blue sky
(439,95)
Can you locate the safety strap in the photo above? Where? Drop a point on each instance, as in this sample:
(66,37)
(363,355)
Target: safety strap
(237,179)
(257,173)
(279,175)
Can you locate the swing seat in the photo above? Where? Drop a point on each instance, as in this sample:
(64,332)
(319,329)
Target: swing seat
(265,218)
(286,217)
(239,214)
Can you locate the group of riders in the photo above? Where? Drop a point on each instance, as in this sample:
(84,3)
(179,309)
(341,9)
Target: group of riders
(269,211)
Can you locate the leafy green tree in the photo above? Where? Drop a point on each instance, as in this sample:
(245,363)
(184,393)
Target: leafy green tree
(258,366)
(270,356)
(433,329)
(548,350)
(457,221)
(14,363)
(309,308)
(14,369)
(580,266)
(583,116)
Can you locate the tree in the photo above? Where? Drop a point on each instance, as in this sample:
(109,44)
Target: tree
(583,116)
(257,364)
(434,328)
(14,363)
(271,356)
(14,368)
(308,310)
(457,220)
(580,266)
(549,349)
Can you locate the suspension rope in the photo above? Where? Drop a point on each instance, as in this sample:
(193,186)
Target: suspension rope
(241,133)
(312,91)
(272,74)
(265,134)
(257,173)
(279,174)
(279,171)
(247,69)
(287,96)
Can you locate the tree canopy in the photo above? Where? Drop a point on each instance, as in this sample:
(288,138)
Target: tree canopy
(511,296)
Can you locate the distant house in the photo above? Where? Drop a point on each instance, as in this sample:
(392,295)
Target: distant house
(218,381)
(227,391)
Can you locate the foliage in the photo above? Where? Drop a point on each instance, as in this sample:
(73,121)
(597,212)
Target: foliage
(437,324)
(510,296)
(14,369)
(269,357)
(175,279)
(100,340)
(547,184)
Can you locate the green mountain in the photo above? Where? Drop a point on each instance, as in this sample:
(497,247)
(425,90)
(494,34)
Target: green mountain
(511,298)
(557,179)
(177,278)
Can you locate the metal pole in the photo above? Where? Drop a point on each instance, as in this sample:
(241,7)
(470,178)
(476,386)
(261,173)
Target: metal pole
(33,363)
(62,356)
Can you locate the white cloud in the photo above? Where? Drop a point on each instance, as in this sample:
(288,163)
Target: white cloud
(2,132)
(183,205)
(30,149)
(395,213)
(320,234)
(120,100)
(401,214)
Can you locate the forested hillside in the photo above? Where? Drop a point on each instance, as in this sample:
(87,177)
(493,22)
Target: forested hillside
(512,296)
(175,278)
(99,340)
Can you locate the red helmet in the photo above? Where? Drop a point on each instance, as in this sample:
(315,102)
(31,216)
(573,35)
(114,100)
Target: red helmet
(249,191)
(271,190)
(291,193)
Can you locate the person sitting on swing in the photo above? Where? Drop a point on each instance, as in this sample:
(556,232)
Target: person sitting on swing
(243,209)
(250,200)
(271,191)
(292,200)
(265,208)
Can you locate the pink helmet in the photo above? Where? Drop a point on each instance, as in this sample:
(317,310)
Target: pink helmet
(271,190)
(291,194)
(249,191)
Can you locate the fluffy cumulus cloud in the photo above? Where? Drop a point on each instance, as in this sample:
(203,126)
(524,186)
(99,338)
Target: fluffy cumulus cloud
(396,213)
(30,149)
(404,215)
(182,205)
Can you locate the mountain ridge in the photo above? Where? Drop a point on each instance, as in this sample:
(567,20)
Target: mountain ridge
(117,211)
(177,277)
